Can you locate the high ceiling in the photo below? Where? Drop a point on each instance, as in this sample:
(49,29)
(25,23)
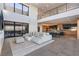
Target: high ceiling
(45,7)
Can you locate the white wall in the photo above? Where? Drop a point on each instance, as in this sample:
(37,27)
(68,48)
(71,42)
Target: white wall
(33,13)
(1,40)
(10,16)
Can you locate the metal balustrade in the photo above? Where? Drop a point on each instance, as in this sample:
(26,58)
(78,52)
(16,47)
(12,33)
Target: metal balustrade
(56,10)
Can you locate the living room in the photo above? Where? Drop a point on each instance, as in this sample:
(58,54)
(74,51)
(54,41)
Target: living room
(22,20)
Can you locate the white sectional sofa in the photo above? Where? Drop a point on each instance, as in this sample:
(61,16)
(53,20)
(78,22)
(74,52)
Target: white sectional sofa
(41,38)
(30,43)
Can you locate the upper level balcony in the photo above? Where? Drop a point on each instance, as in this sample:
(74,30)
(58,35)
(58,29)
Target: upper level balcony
(59,16)
(58,10)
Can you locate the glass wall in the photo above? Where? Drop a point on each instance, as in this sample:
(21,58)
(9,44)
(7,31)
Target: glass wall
(25,10)
(13,29)
(9,6)
(8,29)
(17,8)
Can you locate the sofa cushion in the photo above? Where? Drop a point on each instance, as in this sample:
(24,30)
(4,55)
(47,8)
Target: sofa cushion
(19,39)
(41,40)
(28,38)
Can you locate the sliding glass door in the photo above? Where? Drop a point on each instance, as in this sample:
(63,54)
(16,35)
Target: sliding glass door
(14,29)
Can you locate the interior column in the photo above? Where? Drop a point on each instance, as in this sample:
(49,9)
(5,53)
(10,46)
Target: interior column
(41,29)
(77,29)
(59,27)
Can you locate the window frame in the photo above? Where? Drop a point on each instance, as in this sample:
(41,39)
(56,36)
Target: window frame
(14,24)
(14,8)
(23,8)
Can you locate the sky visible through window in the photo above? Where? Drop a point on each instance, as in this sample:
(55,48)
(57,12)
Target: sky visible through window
(11,4)
(18,6)
(25,8)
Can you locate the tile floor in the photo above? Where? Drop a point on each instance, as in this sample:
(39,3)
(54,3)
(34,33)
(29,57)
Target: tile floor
(63,46)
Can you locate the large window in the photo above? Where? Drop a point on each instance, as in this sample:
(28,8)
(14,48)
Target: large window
(9,7)
(17,8)
(25,10)
(13,29)
(21,8)
(9,28)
